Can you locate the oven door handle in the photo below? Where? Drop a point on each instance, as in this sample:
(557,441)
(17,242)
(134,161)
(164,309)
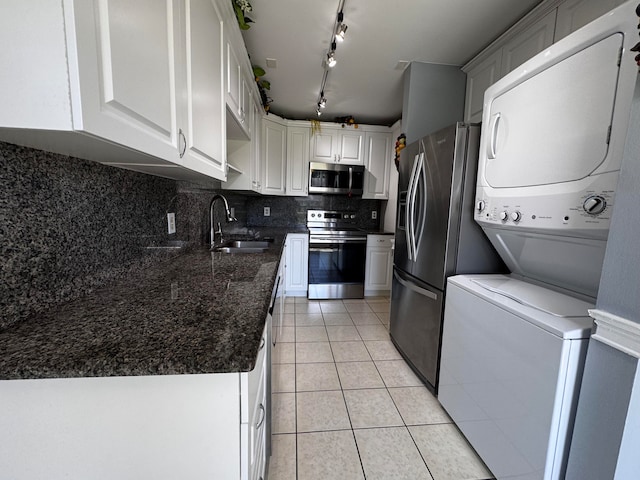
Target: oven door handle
(325,240)
(322,250)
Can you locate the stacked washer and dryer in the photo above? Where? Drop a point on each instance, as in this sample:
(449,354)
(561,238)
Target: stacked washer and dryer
(514,345)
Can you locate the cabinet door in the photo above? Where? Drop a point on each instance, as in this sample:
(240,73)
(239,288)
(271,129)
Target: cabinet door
(274,150)
(127,73)
(297,251)
(324,146)
(202,118)
(378,161)
(574,14)
(379,269)
(234,82)
(297,161)
(479,78)
(350,148)
(256,160)
(528,43)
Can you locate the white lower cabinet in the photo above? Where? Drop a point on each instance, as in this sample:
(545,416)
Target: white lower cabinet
(379,264)
(297,265)
(162,427)
(255,412)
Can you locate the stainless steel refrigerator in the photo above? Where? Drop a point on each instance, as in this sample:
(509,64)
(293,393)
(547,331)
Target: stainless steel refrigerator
(436,237)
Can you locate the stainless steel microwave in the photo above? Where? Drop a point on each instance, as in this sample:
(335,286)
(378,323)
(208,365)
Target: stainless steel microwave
(336,178)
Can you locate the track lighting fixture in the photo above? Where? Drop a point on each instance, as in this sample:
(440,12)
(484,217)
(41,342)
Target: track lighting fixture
(331,56)
(339,29)
(342,28)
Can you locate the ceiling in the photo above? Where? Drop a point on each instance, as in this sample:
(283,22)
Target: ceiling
(366,83)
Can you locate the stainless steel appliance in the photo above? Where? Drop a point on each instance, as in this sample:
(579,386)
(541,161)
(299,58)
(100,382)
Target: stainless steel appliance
(336,178)
(337,253)
(436,237)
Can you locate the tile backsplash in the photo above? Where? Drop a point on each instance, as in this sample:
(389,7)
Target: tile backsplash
(68,225)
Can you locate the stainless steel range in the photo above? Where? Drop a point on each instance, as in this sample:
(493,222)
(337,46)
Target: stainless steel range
(337,254)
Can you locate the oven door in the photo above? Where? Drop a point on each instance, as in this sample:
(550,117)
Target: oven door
(336,266)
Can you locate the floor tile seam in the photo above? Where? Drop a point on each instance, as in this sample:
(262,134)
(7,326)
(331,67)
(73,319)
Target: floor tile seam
(424,460)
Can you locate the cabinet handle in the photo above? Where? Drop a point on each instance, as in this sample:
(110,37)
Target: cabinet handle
(264,414)
(184,143)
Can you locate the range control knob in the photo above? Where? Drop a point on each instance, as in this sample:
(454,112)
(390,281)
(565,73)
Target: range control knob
(503,216)
(516,216)
(594,205)
(480,205)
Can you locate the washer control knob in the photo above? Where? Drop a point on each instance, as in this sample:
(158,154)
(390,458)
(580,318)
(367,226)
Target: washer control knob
(516,216)
(594,205)
(480,205)
(504,216)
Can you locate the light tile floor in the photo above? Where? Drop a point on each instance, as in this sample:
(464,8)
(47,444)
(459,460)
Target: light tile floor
(347,406)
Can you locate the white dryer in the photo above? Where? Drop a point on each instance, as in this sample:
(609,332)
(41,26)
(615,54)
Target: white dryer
(550,153)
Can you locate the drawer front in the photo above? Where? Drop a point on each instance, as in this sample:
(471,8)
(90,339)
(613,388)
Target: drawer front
(384,241)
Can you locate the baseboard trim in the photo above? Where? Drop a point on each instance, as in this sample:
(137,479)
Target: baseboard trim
(617,332)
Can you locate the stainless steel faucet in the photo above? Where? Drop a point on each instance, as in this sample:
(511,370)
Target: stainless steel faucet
(229,218)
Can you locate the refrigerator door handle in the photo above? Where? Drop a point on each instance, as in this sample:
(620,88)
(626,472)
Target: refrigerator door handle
(415,288)
(409,210)
(417,228)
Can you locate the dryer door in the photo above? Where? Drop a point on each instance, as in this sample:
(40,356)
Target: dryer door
(554,126)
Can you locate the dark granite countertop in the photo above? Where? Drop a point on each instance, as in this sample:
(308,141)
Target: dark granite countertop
(191,312)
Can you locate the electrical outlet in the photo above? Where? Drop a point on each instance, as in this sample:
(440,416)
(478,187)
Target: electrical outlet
(267,211)
(171,223)
(374,214)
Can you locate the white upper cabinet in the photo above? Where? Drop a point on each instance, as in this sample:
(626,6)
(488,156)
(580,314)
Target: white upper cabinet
(203,114)
(378,162)
(338,145)
(297,161)
(479,78)
(125,73)
(233,81)
(528,43)
(274,151)
(574,14)
(127,95)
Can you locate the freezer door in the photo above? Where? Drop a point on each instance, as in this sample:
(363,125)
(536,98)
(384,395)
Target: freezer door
(416,322)
(408,159)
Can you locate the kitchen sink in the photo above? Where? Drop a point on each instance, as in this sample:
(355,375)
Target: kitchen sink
(242,246)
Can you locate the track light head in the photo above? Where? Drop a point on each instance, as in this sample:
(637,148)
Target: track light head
(331,59)
(342,29)
(318,112)
(323,102)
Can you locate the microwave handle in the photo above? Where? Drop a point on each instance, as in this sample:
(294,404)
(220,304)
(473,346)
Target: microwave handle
(350,178)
